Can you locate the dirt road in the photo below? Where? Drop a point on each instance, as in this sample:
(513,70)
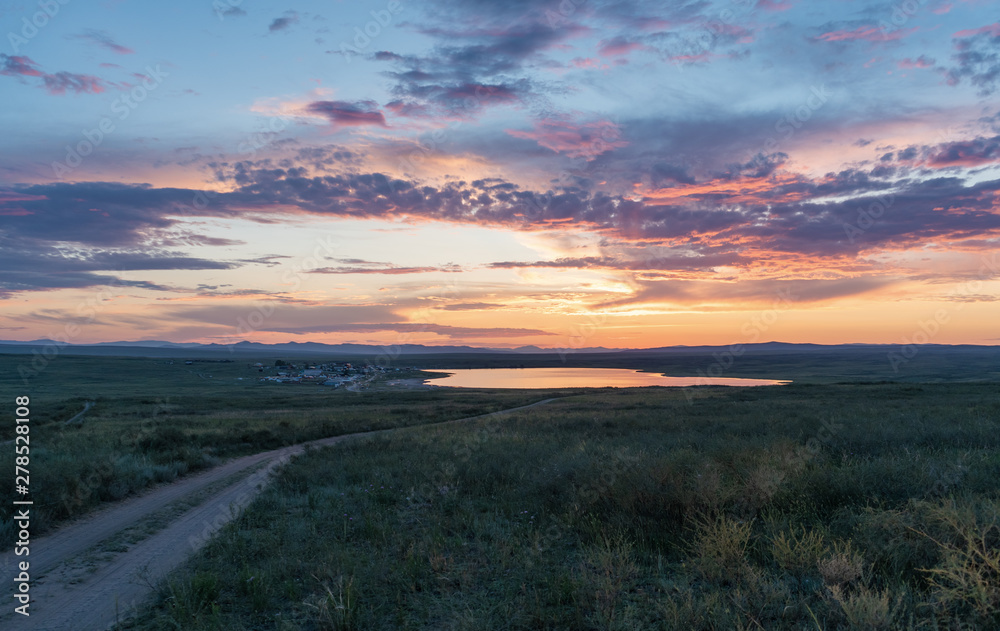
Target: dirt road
(68,594)
(79,417)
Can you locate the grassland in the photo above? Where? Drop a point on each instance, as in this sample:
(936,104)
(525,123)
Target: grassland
(154,421)
(820,507)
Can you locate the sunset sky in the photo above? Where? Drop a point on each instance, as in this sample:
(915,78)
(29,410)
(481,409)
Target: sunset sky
(500,173)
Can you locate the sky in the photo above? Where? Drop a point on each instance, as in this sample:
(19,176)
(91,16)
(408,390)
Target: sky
(571,174)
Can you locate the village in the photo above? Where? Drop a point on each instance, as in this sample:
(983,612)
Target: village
(331,374)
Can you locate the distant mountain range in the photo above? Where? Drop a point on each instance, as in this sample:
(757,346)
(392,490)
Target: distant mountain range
(157,348)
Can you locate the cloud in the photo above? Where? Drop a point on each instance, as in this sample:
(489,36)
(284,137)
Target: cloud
(576,140)
(960,153)
(728,215)
(104,40)
(865,33)
(19,65)
(968,153)
(978,57)
(361,266)
(56,83)
(102,214)
(18,281)
(282,23)
(348,114)
(383,270)
(36,264)
(920,62)
(618,46)
(475,67)
(775,5)
(456,332)
(651,263)
(470,306)
(232,11)
(304,320)
(993,30)
(768,292)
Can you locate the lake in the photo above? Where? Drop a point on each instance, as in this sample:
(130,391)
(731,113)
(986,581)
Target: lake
(579,378)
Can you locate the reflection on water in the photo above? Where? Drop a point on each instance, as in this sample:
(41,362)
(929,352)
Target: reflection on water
(579,378)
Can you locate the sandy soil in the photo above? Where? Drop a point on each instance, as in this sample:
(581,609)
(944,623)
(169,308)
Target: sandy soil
(66,596)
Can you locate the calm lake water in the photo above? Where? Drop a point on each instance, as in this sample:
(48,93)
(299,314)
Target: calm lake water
(579,378)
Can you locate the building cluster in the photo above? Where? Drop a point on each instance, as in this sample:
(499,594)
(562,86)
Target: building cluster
(331,374)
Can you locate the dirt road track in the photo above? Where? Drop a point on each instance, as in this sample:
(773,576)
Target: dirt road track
(63,600)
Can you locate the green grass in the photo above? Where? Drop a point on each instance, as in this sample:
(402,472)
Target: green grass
(799,507)
(154,422)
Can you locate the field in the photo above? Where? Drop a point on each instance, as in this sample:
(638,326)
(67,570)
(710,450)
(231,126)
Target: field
(154,421)
(819,506)
(799,507)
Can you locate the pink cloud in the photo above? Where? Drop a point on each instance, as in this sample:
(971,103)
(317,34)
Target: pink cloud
(347,114)
(56,83)
(617,46)
(967,153)
(920,62)
(775,5)
(588,62)
(576,140)
(865,33)
(992,29)
(698,58)
(19,65)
